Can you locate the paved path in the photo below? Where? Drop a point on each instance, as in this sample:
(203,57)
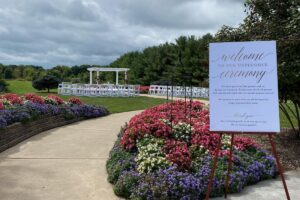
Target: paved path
(68,163)
(270,189)
(206,102)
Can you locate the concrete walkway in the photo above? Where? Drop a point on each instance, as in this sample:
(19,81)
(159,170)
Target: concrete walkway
(270,189)
(206,102)
(68,163)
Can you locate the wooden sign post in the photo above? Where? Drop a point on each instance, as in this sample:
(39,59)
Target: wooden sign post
(243,95)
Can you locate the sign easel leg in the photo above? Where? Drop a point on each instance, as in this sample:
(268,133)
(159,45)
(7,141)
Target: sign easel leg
(213,169)
(279,167)
(229,165)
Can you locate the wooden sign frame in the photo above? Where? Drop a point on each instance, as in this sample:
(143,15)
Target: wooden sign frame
(273,145)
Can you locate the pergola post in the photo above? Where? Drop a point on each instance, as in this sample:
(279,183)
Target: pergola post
(126,77)
(98,79)
(107,69)
(117,77)
(91,77)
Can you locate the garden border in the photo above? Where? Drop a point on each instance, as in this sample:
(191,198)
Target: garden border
(18,132)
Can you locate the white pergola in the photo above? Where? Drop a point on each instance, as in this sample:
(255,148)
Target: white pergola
(106,69)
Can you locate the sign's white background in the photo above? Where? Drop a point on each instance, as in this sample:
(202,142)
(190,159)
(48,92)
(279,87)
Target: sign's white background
(243,87)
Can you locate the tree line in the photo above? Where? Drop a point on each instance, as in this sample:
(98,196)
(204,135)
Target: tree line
(31,72)
(188,56)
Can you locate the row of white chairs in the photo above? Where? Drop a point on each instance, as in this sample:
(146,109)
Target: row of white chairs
(178,91)
(94,90)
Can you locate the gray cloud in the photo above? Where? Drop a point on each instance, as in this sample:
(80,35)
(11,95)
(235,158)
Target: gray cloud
(72,32)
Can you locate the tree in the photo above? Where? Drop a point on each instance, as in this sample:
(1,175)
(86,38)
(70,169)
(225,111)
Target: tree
(62,72)
(47,82)
(8,73)
(188,56)
(230,34)
(280,21)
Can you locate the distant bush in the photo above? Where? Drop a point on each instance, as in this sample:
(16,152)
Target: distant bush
(3,85)
(47,82)
(75,80)
(162,82)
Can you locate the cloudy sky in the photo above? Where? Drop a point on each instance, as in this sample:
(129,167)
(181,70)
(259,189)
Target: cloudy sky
(70,32)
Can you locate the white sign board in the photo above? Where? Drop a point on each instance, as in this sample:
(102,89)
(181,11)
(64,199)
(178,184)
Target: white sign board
(243,87)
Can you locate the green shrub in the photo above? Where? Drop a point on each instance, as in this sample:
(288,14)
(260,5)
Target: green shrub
(126,183)
(47,82)
(68,114)
(119,161)
(3,85)
(198,152)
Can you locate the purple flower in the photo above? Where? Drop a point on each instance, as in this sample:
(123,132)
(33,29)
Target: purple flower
(54,110)
(36,108)
(7,115)
(3,122)
(33,111)
(172,183)
(21,116)
(88,111)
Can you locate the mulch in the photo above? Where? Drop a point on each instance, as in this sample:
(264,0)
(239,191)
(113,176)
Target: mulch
(287,146)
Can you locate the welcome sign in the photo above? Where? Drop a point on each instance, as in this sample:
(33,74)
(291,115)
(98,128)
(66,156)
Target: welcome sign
(243,87)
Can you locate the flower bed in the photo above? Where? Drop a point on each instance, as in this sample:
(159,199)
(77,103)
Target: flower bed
(166,152)
(24,116)
(144,89)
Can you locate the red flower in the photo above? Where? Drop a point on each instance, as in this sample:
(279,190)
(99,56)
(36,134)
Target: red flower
(151,121)
(12,98)
(34,98)
(156,122)
(75,100)
(242,143)
(57,99)
(206,139)
(1,106)
(144,89)
(178,153)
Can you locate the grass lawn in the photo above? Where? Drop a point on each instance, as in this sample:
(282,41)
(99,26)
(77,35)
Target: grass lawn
(121,104)
(113,104)
(283,120)
(21,87)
